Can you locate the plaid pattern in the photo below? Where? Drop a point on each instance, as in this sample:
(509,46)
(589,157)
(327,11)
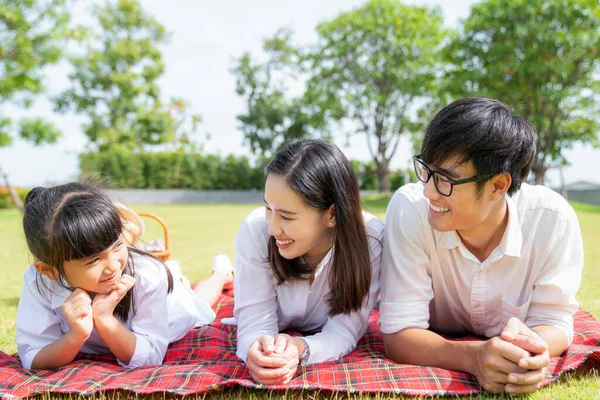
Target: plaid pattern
(204,360)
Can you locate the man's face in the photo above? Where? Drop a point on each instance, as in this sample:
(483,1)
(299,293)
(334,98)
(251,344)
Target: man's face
(464,210)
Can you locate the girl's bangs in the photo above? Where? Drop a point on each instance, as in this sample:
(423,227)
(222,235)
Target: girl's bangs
(82,230)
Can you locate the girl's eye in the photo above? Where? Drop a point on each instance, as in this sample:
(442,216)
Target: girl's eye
(118,246)
(285,218)
(92,262)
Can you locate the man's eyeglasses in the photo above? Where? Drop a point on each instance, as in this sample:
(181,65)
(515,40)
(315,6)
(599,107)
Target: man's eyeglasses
(443,183)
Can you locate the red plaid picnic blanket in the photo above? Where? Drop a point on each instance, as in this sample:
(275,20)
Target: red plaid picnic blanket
(204,361)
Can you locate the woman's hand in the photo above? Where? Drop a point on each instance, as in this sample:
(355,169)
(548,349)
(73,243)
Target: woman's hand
(271,361)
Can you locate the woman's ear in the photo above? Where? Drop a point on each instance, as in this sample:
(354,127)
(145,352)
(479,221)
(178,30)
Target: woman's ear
(330,217)
(46,270)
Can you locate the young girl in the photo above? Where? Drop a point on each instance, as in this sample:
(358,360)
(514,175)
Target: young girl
(87,291)
(309,260)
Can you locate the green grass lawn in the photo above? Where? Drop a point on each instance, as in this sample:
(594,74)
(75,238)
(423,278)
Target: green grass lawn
(197,232)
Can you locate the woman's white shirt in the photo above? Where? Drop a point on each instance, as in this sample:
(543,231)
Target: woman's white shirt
(159,318)
(262,307)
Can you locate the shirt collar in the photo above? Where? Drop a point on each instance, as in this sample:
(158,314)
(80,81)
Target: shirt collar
(58,292)
(511,242)
(513,237)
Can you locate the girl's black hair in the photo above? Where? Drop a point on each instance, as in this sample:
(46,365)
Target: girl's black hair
(322,176)
(75,221)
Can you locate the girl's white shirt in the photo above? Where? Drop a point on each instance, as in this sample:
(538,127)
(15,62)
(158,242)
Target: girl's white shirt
(262,307)
(160,318)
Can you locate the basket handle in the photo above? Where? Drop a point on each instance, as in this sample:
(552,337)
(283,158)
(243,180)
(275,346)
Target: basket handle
(161,222)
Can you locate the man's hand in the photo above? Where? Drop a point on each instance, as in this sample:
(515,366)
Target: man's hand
(536,365)
(495,360)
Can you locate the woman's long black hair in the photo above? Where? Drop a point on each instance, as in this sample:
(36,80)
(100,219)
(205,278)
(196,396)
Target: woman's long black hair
(321,174)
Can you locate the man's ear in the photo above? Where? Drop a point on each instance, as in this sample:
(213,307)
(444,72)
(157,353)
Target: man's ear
(46,270)
(501,183)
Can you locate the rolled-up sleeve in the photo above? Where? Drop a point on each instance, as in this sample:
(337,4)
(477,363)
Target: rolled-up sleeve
(37,324)
(255,298)
(406,288)
(342,332)
(553,301)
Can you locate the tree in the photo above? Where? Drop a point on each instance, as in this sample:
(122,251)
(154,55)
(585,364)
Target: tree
(114,81)
(273,118)
(378,62)
(31,35)
(542,58)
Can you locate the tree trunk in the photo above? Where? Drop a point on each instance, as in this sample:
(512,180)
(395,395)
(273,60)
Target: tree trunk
(539,171)
(15,196)
(384,176)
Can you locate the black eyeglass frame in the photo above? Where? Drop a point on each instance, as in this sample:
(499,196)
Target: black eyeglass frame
(453,182)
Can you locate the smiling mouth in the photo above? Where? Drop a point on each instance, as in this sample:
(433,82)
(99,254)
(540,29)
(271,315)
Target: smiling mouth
(439,209)
(284,242)
(111,279)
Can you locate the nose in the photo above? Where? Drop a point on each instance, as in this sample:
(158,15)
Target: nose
(429,190)
(113,265)
(274,228)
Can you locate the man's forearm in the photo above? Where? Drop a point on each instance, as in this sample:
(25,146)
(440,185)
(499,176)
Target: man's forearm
(555,337)
(422,347)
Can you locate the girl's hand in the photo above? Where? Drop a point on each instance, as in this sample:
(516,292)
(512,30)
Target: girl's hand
(104,304)
(266,366)
(78,311)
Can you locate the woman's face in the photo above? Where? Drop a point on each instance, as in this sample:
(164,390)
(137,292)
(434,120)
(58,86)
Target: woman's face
(299,230)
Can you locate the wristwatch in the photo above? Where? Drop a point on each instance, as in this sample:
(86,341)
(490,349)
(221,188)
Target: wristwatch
(303,359)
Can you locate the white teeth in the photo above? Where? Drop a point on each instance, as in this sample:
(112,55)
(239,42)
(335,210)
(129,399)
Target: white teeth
(284,242)
(439,209)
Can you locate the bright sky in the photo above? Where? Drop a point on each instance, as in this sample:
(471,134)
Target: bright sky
(206,37)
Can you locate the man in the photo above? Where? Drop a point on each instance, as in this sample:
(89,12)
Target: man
(474,249)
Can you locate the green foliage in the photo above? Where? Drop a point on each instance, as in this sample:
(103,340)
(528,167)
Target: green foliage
(542,57)
(273,118)
(32,34)
(367,176)
(376,64)
(6,200)
(114,82)
(123,168)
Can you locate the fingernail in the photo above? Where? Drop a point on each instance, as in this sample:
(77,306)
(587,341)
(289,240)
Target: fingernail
(512,379)
(524,364)
(509,389)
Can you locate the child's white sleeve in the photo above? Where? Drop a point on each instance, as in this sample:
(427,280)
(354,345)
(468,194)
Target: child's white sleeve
(37,324)
(150,322)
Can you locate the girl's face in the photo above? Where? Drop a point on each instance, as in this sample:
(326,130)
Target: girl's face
(98,273)
(299,230)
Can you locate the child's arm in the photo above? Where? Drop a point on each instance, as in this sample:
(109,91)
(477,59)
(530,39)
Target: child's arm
(59,353)
(144,338)
(120,340)
(41,342)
